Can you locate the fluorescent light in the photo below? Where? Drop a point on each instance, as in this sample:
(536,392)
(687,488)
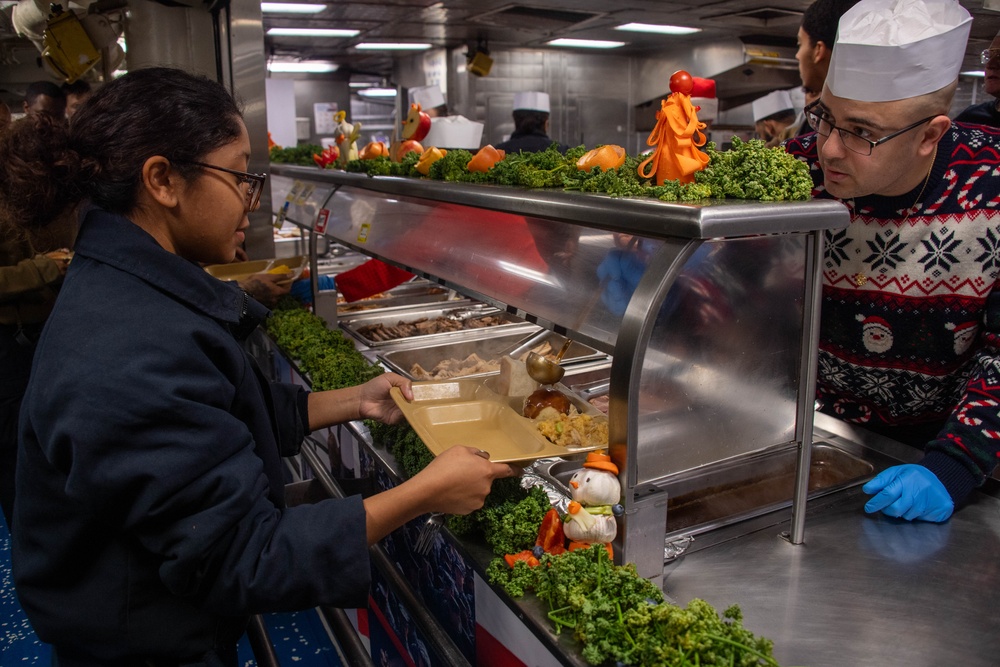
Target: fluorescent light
(302,66)
(290,8)
(312,32)
(977,74)
(392,46)
(377,92)
(659,29)
(362,84)
(585,43)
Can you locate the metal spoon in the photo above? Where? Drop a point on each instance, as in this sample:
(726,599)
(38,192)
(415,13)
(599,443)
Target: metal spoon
(546,371)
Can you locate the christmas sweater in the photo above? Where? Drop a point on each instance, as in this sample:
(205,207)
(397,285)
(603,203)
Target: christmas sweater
(910,322)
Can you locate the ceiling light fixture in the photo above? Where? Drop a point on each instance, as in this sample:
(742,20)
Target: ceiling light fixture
(312,32)
(585,43)
(290,8)
(975,74)
(362,84)
(317,66)
(659,29)
(377,92)
(392,46)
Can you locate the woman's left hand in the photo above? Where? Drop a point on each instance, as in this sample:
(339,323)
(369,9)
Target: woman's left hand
(375,401)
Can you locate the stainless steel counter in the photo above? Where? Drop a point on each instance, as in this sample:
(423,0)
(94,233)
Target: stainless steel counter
(863,589)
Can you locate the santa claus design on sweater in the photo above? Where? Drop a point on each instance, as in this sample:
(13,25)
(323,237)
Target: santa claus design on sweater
(965,334)
(876,333)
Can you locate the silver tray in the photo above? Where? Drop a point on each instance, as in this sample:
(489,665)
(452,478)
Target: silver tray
(352,323)
(407,294)
(487,348)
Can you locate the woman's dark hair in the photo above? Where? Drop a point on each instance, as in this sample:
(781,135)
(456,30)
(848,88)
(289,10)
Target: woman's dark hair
(822,17)
(36,165)
(147,112)
(530,122)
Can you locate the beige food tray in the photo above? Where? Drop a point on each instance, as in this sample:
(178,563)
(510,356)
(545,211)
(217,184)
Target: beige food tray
(239,270)
(469,412)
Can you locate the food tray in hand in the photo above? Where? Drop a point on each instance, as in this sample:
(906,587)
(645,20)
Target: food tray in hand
(457,355)
(469,412)
(364,326)
(240,270)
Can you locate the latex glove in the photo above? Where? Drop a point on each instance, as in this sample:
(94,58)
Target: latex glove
(911,492)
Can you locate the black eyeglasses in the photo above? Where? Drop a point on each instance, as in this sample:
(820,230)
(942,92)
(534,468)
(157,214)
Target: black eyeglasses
(254,181)
(851,140)
(989,54)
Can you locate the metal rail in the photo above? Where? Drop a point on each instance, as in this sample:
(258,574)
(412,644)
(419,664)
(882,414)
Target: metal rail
(446,650)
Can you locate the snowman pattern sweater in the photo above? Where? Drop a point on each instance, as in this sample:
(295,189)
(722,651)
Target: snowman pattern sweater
(910,323)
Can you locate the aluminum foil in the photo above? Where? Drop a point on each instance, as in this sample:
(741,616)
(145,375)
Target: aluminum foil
(557,498)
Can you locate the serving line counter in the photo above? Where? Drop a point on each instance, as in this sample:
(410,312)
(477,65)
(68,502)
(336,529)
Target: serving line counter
(710,315)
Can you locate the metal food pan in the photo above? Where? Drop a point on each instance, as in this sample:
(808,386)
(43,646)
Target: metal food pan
(353,324)
(407,294)
(488,348)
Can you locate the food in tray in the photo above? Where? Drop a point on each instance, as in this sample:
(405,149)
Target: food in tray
(474,364)
(602,403)
(575,430)
(425,326)
(546,403)
(514,379)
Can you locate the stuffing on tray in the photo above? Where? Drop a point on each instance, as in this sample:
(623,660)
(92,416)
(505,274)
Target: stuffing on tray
(575,430)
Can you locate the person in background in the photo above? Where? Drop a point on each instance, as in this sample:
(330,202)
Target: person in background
(33,259)
(988,112)
(45,97)
(446,131)
(910,322)
(531,125)
(773,115)
(5,116)
(150,518)
(815,39)
(77,93)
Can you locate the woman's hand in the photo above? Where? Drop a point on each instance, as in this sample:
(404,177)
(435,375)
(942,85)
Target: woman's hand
(459,479)
(375,401)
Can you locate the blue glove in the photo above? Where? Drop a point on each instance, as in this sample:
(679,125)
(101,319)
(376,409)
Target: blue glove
(911,492)
(620,273)
(302,289)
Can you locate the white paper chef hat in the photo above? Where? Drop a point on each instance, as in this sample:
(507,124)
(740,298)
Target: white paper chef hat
(427,97)
(454,132)
(896,49)
(531,100)
(772,103)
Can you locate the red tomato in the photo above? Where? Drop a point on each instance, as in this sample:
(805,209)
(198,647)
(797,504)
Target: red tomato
(681,82)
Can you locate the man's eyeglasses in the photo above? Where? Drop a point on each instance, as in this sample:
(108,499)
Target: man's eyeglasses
(851,140)
(254,181)
(989,54)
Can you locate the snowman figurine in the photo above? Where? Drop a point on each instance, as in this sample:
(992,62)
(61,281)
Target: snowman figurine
(596,491)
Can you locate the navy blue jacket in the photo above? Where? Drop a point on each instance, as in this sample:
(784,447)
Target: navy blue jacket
(150,511)
(984,113)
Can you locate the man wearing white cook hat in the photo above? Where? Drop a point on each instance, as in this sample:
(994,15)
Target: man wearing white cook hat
(531,124)
(446,131)
(772,115)
(921,253)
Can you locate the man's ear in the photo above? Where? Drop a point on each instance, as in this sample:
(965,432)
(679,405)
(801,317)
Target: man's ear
(821,52)
(160,181)
(933,132)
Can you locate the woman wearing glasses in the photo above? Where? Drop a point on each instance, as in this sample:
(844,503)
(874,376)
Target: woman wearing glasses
(987,113)
(911,306)
(150,518)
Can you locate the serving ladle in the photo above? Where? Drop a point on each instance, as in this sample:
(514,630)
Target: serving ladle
(545,371)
